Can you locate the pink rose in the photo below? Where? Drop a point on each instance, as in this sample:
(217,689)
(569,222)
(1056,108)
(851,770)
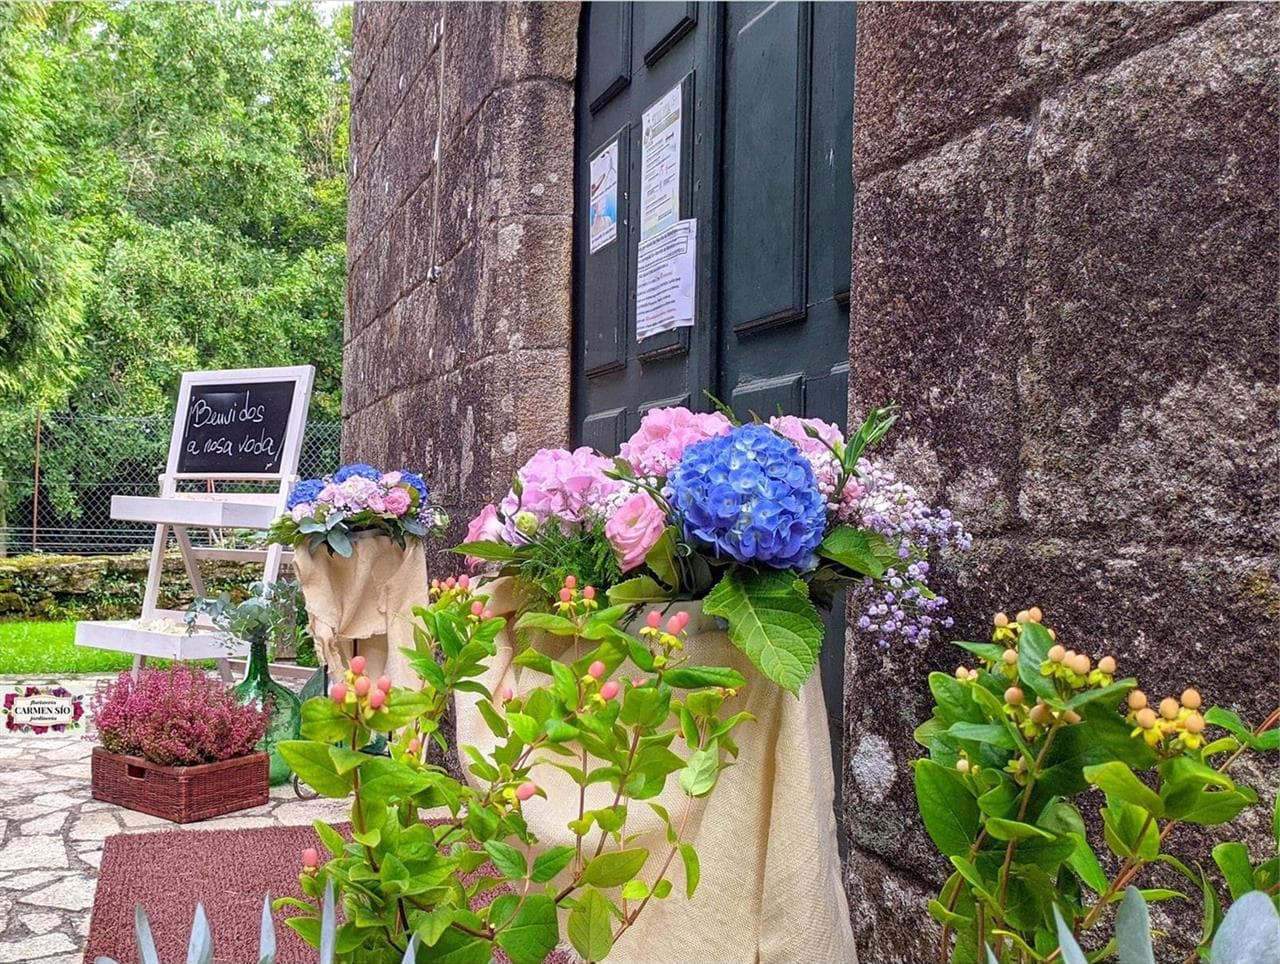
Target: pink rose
(396,501)
(634,529)
(486,527)
(664,434)
(376,503)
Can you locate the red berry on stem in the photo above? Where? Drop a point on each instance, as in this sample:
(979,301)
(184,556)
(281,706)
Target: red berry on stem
(589,592)
(477,608)
(339,693)
(310,858)
(566,594)
(415,745)
(596,669)
(384,683)
(571,582)
(377,698)
(526,790)
(358,664)
(464,581)
(654,619)
(610,689)
(362,686)
(508,694)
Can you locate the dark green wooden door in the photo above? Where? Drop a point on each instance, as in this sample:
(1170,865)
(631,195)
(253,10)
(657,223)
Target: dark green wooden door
(766,93)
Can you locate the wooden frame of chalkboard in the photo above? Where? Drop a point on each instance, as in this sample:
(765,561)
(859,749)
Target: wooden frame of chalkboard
(241,425)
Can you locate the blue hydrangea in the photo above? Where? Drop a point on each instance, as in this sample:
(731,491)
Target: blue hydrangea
(357,469)
(418,484)
(307,490)
(752,496)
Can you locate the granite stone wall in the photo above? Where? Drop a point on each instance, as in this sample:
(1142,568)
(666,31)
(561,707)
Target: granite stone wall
(456,355)
(1066,271)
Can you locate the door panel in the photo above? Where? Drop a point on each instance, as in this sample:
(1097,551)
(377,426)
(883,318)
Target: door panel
(767,170)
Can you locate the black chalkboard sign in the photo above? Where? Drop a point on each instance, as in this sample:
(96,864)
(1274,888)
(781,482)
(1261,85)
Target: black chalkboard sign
(235,428)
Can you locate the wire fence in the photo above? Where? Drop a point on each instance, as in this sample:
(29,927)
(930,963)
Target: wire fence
(84,460)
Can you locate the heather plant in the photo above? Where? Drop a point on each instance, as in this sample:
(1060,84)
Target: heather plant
(615,709)
(175,717)
(1014,744)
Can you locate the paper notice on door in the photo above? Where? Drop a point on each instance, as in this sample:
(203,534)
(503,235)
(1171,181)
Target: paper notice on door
(604,197)
(660,164)
(665,280)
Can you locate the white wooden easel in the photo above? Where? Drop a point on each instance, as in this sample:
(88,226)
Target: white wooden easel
(182,511)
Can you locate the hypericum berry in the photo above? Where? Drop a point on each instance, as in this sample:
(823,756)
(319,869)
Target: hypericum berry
(1010,656)
(962,765)
(1137,699)
(610,689)
(450,583)
(683,616)
(1013,696)
(1034,614)
(414,746)
(654,619)
(477,608)
(1057,654)
(1081,664)
(571,582)
(339,693)
(1023,616)
(384,683)
(1001,620)
(1145,717)
(1041,715)
(362,686)
(674,625)
(596,669)
(1194,723)
(962,673)
(377,698)
(358,664)
(310,859)
(1107,665)
(566,594)
(507,694)
(639,681)
(1169,708)
(1071,716)
(1191,699)
(486,614)
(588,592)
(526,790)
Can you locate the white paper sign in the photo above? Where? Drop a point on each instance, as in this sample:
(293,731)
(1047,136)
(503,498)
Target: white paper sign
(666,281)
(660,164)
(604,197)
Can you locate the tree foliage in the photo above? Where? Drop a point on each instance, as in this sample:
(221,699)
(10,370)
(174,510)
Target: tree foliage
(179,170)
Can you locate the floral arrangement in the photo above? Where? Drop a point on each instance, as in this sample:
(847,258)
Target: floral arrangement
(356,498)
(175,717)
(451,867)
(764,521)
(1017,740)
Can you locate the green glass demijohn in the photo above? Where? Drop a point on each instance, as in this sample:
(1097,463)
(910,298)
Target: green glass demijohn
(284,708)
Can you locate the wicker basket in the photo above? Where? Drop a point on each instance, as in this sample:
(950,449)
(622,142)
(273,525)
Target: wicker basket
(180,794)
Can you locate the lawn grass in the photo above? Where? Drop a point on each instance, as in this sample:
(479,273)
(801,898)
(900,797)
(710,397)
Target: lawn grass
(48,649)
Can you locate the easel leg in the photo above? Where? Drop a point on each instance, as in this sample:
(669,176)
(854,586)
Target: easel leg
(224,668)
(138,662)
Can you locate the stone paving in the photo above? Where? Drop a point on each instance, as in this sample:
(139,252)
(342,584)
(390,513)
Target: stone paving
(52,832)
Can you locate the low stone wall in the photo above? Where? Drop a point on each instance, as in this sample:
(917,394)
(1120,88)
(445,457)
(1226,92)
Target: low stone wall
(104,587)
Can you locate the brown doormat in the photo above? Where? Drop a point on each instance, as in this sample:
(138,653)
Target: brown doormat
(229,871)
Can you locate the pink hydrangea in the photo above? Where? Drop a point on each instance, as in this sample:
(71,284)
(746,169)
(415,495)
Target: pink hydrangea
(826,467)
(664,434)
(486,527)
(302,511)
(634,528)
(559,484)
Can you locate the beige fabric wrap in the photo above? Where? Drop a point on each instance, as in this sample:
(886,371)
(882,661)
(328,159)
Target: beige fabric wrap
(770,889)
(365,600)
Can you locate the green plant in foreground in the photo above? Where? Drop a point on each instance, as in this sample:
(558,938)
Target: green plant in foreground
(421,839)
(1013,741)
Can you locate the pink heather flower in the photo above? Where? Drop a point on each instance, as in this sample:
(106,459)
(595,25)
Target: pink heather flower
(486,527)
(664,434)
(396,501)
(568,487)
(634,528)
(301,511)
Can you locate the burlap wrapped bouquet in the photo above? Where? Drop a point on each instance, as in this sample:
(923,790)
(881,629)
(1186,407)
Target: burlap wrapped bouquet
(770,889)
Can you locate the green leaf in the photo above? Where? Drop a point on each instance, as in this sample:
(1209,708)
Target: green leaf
(992,652)
(507,859)
(635,890)
(949,810)
(330,838)
(534,933)
(1071,953)
(487,550)
(698,778)
(641,589)
(566,685)
(324,721)
(955,704)
(549,863)
(1002,829)
(855,549)
(692,868)
(1034,644)
(662,889)
(1133,929)
(662,559)
(547,623)
(771,620)
(525,727)
(344,760)
(1117,780)
(1111,691)
(315,767)
(1128,830)
(591,926)
(615,867)
(692,677)
(431,924)
(992,733)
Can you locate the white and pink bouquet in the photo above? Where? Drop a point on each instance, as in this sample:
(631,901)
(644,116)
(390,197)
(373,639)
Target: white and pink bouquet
(765,522)
(355,499)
